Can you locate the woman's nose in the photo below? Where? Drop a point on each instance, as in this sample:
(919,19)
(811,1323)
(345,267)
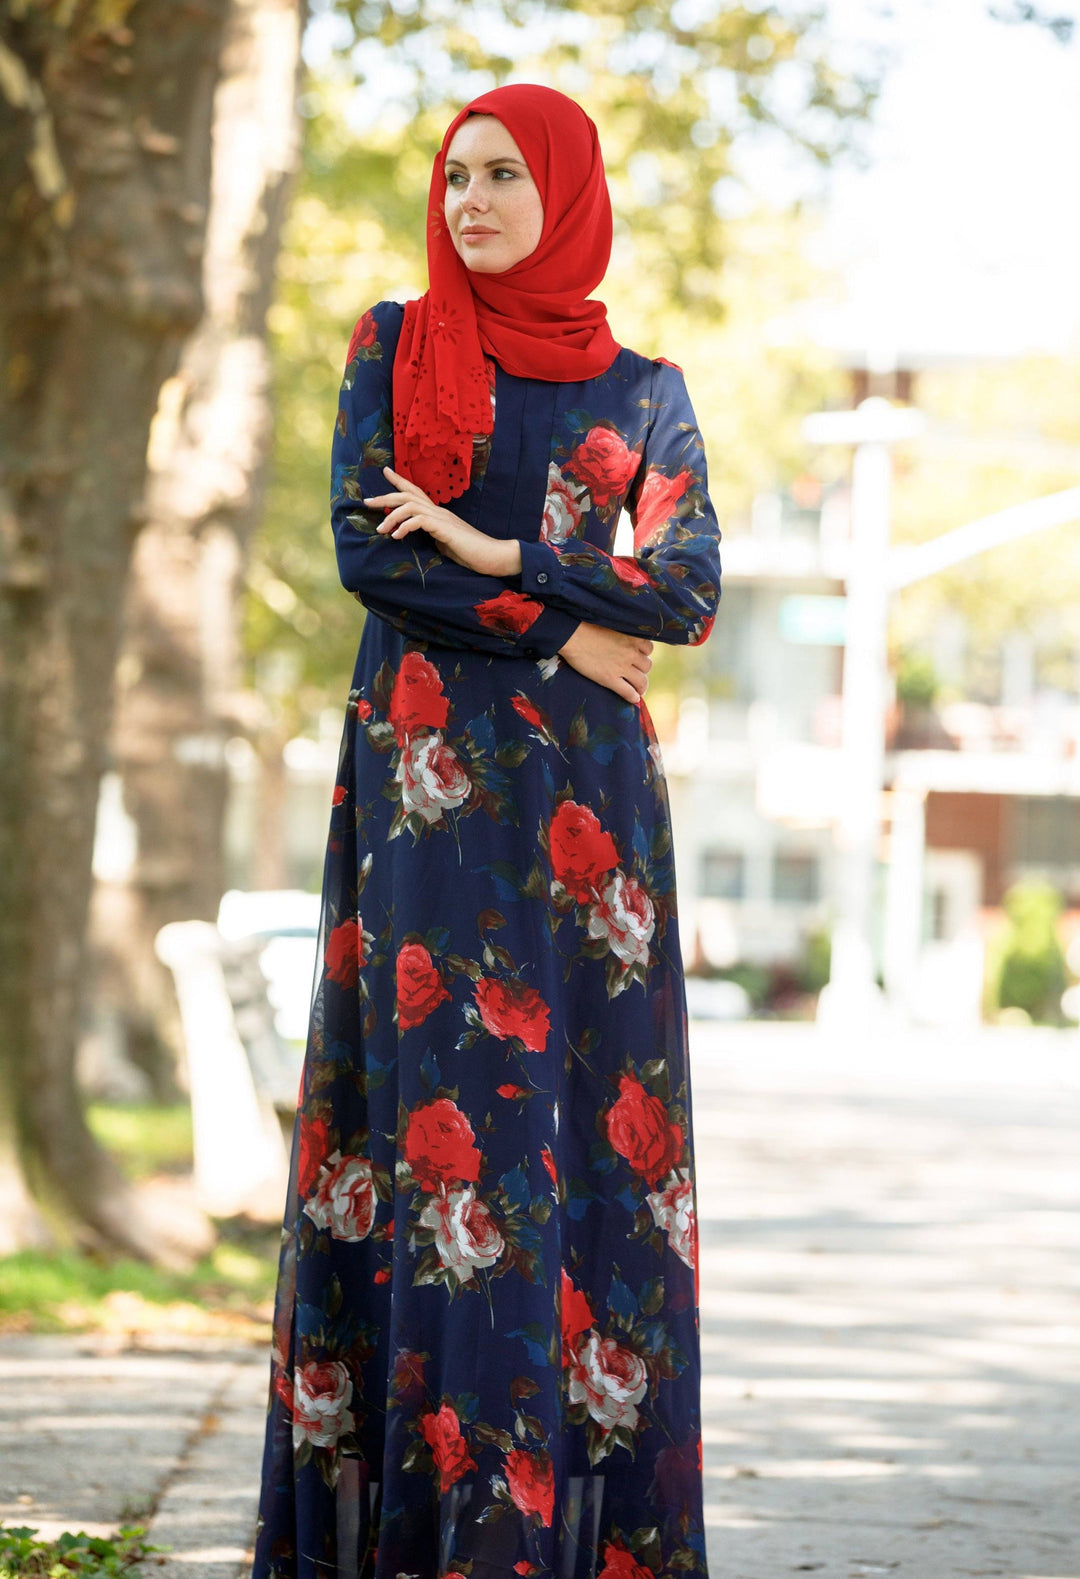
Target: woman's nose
(473,196)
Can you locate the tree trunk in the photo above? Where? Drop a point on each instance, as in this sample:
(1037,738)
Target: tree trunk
(104,186)
(179,692)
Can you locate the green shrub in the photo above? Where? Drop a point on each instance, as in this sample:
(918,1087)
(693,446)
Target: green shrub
(1030,964)
(812,970)
(916,680)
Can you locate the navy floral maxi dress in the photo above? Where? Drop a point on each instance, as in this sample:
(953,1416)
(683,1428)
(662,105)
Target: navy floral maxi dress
(486,1343)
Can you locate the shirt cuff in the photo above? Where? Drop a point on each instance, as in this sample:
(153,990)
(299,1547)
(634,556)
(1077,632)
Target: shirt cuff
(548,632)
(541,573)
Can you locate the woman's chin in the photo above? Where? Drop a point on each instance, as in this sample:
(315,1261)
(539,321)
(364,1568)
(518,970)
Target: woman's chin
(482,265)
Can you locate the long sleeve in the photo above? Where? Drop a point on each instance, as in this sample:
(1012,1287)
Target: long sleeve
(407,582)
(669,589)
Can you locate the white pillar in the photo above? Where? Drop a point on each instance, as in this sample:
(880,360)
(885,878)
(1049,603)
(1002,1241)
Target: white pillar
(852,997)
(904,899)
(862,731)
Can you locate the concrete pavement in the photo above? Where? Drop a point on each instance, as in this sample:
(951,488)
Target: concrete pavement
(891,1293)
(891,1302)
(95,1433)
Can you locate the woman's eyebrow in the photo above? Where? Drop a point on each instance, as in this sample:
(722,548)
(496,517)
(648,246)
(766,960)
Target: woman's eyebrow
(507,159)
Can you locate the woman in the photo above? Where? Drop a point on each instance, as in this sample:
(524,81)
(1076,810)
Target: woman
(486,1352)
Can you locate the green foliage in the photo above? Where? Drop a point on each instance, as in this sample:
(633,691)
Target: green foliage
(916,680)
(813,968)
(23,1556)
(145,1138)
(64,1291)
(1027,967)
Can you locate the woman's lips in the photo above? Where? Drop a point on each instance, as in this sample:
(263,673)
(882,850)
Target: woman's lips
(477,235)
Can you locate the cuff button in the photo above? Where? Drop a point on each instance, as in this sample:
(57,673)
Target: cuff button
(542,576)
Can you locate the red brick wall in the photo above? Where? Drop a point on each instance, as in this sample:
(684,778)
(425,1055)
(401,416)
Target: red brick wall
(972,822)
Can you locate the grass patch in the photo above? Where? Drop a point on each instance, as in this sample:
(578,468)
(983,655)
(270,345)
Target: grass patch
(228,1293)
(145,1138)
(72,1553)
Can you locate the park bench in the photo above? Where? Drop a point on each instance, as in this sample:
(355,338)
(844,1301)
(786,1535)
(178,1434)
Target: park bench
(243,986)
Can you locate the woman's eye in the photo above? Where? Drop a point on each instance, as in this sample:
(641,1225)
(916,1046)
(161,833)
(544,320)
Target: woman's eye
(510,173)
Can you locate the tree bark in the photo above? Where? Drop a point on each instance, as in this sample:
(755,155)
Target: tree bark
(179,685)
(105,117)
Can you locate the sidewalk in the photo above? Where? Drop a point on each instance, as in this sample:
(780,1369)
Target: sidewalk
(891,1303)
(890,1326)
(96,1434)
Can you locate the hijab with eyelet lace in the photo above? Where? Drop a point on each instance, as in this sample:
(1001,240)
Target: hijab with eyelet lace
(535,319)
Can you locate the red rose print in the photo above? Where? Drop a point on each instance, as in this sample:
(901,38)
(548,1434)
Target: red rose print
(419,986)
(383,1275)
(577,1316)
(344,1202)
(609,1379)
(345,954)
(532,1482)
(363,336)
(529,711)
(321,1395)
(629,571)
(439,1145)
(339,794)
(511,612)
(621,1564)
(562,512)
(431,776)
(625,917)
(442,1433)
(639,1129)
(417,700)
(580,850)
(549,1163)
(656,502)
(363,709)
(604,464)
(510,1008)
(314,1146)
(465,1233)
(284,1388)
(510,1091)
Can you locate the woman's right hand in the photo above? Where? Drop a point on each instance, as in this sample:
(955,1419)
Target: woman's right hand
(609,657)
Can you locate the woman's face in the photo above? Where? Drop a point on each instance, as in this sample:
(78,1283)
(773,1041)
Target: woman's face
(492,206)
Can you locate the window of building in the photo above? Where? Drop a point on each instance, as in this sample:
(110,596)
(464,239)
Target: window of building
(722,874)
(795,878)
(1047,830)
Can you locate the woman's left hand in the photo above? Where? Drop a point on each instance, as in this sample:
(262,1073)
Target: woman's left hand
(409,510)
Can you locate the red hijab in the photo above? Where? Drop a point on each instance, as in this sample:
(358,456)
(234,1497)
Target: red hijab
(534,318)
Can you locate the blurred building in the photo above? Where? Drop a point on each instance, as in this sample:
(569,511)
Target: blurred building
(978,794)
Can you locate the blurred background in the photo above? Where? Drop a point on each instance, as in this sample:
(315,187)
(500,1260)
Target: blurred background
(853,228)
